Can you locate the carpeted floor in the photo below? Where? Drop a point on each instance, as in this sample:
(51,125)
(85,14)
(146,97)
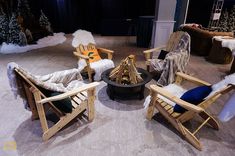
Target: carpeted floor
(120,127)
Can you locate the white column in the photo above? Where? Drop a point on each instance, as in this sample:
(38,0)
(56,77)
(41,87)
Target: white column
(163,22)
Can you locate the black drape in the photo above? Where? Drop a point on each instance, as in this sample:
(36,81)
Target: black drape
(70,15)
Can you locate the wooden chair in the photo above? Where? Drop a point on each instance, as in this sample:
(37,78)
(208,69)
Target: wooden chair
(172,44)
(88,70)
(177,119)
(82,100)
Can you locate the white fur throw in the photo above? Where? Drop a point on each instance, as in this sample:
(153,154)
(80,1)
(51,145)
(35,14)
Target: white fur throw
(230,79)
(171,88)
(227,42)
(228,112)
(99,66)
(82,37)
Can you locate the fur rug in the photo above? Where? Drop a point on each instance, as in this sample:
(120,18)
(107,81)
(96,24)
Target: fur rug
(99,67)
(82,37)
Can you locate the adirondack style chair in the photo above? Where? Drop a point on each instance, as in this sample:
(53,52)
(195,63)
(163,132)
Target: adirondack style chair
(172,44)
(177,119)
(79,54)
(82,100)
(163,62)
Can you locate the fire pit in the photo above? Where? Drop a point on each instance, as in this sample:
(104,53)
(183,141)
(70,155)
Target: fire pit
(126,91)
(126,81)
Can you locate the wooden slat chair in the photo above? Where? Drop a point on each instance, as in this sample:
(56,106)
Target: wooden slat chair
(88,70)
(82,100)
(171,45)
(177,119)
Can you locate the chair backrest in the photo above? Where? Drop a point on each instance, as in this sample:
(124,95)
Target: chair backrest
(82,47)
(178,40)
(26,91)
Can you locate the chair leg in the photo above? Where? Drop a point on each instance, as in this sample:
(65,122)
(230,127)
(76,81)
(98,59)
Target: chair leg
(150,111)
(63,121)
(212,122)
(189,137)
(90,105)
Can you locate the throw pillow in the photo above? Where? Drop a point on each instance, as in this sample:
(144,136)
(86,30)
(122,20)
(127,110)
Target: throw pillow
(162,54)
(92,54)
(64,105)
(194,96)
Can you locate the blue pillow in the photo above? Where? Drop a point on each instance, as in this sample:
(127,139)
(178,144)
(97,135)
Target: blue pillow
(194,96)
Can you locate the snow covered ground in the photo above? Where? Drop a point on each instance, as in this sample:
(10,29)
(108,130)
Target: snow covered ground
(57,38)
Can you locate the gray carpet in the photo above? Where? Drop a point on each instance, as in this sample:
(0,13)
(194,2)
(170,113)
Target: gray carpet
(120,127)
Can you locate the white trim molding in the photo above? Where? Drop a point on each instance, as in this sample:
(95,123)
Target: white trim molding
(161,32)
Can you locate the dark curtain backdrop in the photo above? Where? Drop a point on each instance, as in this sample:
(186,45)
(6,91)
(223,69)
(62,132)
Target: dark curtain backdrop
(70,15)
(200,11)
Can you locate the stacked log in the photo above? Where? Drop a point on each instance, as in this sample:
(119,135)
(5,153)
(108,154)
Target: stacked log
(126,72)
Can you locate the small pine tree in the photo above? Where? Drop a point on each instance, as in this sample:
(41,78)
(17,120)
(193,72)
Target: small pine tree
(4,27)
(14,31)
(28,35)
(22,38)
(223,22)
(231,20)
(44,22)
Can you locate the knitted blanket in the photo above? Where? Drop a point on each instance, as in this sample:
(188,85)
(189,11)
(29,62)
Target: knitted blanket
(61,81)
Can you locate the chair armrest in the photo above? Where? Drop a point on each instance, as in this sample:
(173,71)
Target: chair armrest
(69,93)
(175,99)
(192,79)
(81,56)
(106,51)
(148,52)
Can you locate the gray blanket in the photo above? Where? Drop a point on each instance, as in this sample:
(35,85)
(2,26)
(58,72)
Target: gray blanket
(175,61)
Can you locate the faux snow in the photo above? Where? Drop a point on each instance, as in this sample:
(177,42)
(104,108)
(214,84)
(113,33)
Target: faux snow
(57,38)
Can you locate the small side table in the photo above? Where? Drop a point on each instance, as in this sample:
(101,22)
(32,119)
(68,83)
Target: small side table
(219,53)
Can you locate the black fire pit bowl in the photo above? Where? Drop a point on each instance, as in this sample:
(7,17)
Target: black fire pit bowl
(126,92)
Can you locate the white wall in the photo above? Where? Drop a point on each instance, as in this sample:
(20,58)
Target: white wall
(165,10)
(164,22)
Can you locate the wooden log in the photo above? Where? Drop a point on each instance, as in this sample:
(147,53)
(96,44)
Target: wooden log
(126,72)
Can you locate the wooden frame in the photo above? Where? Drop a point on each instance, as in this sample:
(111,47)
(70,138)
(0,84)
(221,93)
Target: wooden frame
(82,100)
(149,54)
(177,119)
(90,46)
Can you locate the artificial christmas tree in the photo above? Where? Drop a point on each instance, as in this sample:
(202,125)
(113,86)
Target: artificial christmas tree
(231,20)
(3,28)
(44,22)
(22,38)
(14,31)
(223,22)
